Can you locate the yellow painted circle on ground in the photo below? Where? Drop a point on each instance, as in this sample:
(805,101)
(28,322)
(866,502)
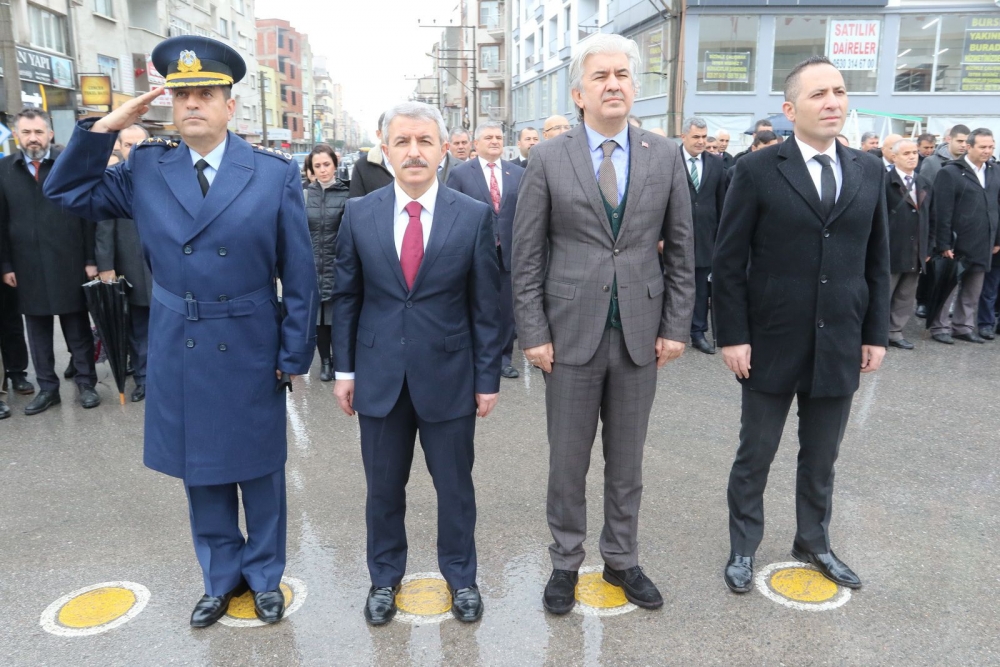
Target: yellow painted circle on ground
(593,591)
(424,597)
(803,585)
(242,607)
(97,607)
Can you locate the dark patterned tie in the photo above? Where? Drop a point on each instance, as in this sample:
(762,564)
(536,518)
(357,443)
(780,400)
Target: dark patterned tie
(828,184)
(909,188)
(607,179)
(695,181)
(201,165)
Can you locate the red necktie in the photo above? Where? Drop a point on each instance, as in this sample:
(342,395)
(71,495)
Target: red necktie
(412,252)
(494,188)
(38,168)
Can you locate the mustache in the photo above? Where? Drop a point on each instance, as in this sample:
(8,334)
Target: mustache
(191,116)
(613,96)
(415,162)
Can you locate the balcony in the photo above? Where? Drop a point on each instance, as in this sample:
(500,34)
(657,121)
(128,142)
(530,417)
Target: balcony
(553,46)
(494,24)
(540,12)
(497,113)
(529,62)
(496,71)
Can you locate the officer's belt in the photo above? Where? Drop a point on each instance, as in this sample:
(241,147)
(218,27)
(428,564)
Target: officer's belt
(240,306)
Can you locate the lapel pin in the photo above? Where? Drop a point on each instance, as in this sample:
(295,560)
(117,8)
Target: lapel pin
(645,145)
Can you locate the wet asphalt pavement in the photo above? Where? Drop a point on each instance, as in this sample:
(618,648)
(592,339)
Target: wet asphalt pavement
(914,515)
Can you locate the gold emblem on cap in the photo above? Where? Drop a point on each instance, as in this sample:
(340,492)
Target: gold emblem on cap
(188,62)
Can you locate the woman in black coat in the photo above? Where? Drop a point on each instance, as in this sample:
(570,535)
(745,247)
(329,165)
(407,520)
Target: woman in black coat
(325,200)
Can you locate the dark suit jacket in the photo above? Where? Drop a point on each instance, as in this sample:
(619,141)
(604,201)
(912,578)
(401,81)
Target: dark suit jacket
(966,214)
(369,174)
(909,223)
(118,247)
(706,207)
(520,162)
(806,292)
(443,336)
(727,160)
(469,179)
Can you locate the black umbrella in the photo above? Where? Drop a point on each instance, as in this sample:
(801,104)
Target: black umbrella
(108,305)
(943,274)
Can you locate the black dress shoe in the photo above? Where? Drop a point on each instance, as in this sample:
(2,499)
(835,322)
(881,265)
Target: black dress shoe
(467,604)
(509,372)
(944,338)
(639,590)
(70,371)
(139,393)
(739,573)
(560,592)
(984,332)
(970,337)
(380,606)
(4,410)
(830,567)
(210,608)
(921,312)
(702,345)
(42,402)
(21,386)
(269,605)
(902,344)
(88,397)
(326,372)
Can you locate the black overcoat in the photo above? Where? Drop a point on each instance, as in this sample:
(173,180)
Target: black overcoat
(45,246)
(966,213)
(909,223)
(706,206)
(804,291)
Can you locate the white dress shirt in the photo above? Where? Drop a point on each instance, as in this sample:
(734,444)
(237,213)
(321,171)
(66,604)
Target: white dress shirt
(214,160)
(698,163)
(400,222)
(497,170)
(980,172)
(816,169)
(913,183)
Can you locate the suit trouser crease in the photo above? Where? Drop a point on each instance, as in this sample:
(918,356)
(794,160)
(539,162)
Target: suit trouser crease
(822,422)
(506,315)
(613,388)
(988,299)
(699,319)
(138,338)
(226,557)
(903,293)
(80,339)
(387,445)
(965,297)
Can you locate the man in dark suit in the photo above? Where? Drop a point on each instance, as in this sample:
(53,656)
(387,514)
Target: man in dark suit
(527,138)
(722,138)
(707,186)
(801,278)
(759,126)
(371,172)
(417,322)
(494,182)
(908,203)
(966,193)
(595,309)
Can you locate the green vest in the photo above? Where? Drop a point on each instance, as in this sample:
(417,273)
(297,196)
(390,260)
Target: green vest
(615,217)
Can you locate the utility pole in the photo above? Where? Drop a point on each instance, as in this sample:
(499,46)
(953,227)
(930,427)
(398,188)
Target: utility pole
(263,108)
(8,52)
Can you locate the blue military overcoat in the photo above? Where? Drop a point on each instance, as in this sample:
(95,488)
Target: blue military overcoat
(217,332)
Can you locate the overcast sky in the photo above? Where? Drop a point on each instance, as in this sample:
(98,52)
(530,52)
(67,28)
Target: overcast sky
(371,46)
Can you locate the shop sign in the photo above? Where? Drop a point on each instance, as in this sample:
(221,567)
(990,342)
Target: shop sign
(727,67)
(156,79)
(95,90)
(981,55)
(853,44)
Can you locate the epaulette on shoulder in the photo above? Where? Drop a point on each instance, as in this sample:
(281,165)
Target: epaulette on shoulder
(273,151)
(156,141)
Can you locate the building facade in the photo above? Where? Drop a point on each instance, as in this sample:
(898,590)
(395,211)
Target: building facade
(280,47)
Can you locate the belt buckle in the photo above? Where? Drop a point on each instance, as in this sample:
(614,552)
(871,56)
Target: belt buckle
(192,310)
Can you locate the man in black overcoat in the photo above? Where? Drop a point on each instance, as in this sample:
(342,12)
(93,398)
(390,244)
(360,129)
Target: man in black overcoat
(801,292)
(908,206)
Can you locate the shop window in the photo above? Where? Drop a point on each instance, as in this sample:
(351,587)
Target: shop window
(727,53)
(110,68)
(799,37)
(652,79)
(948,53)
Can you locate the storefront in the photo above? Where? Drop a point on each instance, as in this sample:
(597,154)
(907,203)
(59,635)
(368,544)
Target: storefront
(936,61)
(48,82)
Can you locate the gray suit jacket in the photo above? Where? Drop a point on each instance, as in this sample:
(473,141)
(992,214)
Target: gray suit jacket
(565,257)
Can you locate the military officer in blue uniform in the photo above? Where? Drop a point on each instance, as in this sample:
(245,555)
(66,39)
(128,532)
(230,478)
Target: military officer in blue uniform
(219,221)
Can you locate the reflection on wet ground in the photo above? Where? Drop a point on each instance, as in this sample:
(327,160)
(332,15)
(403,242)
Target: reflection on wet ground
(916,488)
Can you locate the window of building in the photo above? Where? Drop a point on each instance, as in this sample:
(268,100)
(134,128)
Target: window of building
(553,35)
(268,116)
(727,53)
(291,70)
(253,82)
(242,41)
(295,124)
(652,48)
(553,87)
(545,97)
(224,27)
(799,37)
(246,112)
(291,45)
(202,32)
(489,99)
(489,14)
(48,29)
(294,102)
(240,6)
(110,67)
(489,57)
(531,103)
(104,7)
(281,39)
(201,4)
(938,53)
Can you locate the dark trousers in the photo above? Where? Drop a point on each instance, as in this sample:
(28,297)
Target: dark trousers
(79,337)
(324,342)
(822,422)
(138,339)
(387,452)
(13,348)
(227,558)
(506,315)
(987,316)
(699,320)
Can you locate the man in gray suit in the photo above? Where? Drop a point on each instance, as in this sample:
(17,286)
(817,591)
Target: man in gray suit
(594,310)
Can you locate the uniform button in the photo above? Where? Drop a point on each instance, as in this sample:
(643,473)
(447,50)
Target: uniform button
(822,279)
(188,296)
(605,288)
(190,342)
(821,324)
(223,252)
(826,235)
(222,347)
(402,341)
(223,297)
(188,250)
(615,216)
(617,252)
(913,238)
(409,304)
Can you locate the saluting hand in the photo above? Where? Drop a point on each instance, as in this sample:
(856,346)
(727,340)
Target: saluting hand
(127,114)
